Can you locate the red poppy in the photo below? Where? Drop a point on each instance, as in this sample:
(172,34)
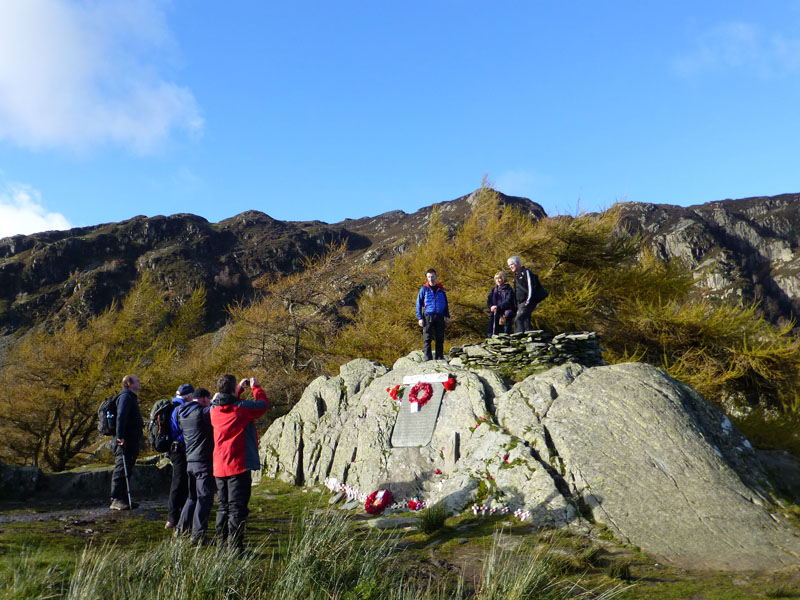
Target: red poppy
(450,384)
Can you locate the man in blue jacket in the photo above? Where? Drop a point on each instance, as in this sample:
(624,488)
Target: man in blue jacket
(432,314)
(179,488)
(194,418)
(129,435)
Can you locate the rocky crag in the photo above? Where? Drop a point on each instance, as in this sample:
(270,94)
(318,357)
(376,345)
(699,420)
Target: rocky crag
(81,271)
(625,446)
(743,249)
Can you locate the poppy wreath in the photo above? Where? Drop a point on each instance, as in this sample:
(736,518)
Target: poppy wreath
(421,393)
(377,501)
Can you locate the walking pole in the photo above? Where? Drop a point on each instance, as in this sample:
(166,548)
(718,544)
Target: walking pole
(127,481)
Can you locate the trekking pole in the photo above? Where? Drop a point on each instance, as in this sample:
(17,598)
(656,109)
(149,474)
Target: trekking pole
(127,480)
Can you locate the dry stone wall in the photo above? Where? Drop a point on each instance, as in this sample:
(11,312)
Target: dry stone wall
(531,349)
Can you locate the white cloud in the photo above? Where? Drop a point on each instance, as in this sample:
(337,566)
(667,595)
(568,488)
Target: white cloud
(78,74)
(22,211)
(740,46)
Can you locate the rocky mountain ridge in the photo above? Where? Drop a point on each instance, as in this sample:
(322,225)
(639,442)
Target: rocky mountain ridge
(81,271)
(745,250)
(742,249)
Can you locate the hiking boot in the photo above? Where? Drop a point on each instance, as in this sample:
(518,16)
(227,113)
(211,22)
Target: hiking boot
(122,505)
(169,525)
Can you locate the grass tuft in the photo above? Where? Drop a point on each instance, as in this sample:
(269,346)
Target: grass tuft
(433,518)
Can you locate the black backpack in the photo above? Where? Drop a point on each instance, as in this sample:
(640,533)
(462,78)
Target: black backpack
(160,428)
(539,293)
(107,416)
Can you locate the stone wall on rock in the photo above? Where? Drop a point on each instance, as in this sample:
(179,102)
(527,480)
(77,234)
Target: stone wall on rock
(536,348)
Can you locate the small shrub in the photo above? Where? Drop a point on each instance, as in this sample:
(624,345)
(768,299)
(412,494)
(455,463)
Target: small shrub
(433,518)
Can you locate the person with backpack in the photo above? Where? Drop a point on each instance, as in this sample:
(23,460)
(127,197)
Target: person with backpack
(529,292)
(194,420)
(502,306)
(433,314)
(129,425)
(179,487)
(235,454)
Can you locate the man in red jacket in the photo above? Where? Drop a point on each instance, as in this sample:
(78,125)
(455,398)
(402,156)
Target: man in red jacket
(235,454)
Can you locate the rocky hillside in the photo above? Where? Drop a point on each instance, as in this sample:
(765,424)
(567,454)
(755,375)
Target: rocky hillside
(738,249)
(81,271)
(745,249)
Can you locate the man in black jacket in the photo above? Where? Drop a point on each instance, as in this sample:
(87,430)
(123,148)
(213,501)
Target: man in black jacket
(194,419)
(129,435)
(525,283)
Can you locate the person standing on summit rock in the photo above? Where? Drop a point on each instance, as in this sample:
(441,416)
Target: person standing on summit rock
(529,292)
(433,314)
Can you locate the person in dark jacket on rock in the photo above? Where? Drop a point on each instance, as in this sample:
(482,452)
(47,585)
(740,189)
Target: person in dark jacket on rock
(525,283)
(179,488)
(433,314)
(129,435)
(235,454)
(502,306)
(194,420)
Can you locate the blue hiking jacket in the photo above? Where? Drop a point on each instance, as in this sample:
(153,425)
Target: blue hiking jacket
(432,301)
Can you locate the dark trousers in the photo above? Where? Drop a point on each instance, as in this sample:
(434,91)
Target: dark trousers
(433,329)
(119,488)
(522,322)
(233,496)
(194,516)
(179,488)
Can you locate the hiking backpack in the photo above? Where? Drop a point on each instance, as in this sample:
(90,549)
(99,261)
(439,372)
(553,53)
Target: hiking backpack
(160,428)
(539,293)
(107,416)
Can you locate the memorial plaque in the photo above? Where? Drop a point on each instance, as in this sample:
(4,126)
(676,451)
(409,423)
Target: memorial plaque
(415,429)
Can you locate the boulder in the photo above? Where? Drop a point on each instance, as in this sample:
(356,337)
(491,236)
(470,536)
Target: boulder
(624,445)
(666,471)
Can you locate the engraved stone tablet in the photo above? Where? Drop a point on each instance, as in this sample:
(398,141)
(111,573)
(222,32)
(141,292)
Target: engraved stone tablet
(415,429)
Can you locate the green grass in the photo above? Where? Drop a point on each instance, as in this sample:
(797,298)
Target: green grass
(301,547)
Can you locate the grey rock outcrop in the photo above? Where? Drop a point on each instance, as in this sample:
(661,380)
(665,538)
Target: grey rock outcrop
(742,250)
(665,471)
(623,445)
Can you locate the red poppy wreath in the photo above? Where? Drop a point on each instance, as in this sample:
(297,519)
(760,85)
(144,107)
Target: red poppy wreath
(421,393)
(377,501)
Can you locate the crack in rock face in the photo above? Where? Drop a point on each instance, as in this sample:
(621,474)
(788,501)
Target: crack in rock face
(623,445)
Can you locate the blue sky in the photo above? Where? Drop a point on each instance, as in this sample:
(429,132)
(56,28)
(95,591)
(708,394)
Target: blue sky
(329,110)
